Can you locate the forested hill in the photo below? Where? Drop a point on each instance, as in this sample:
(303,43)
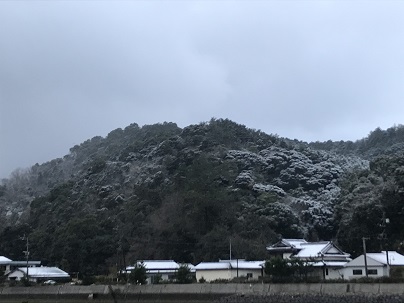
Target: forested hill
(377,143)
(162,192)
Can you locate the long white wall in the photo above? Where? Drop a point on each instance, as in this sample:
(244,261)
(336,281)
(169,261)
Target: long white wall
(161,289)
(227,274)
(348,272)
(212,275)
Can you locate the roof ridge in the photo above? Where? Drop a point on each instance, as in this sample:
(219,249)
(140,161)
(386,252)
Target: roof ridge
(316,243)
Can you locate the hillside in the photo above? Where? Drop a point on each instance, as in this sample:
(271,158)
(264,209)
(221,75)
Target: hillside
(162,192)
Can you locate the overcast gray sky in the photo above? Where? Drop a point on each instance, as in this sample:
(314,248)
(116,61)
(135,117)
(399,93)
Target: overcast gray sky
(311,70)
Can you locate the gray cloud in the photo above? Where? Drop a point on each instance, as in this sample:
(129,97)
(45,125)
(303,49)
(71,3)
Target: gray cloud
(312,70)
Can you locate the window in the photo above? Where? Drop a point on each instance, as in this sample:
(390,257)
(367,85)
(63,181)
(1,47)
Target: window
(372,271)
(357,272)
(249,275)
(326,271)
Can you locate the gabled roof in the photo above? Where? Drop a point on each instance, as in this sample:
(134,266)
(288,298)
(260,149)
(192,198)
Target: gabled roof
(42,272)
(359,262)
(378,259)
(320,249)
(286,244)
(302,249)
(395,258)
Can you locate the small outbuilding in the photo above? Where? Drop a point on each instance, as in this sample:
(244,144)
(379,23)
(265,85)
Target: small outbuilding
(229,269)
(39,274)
(164,270)
(377,265)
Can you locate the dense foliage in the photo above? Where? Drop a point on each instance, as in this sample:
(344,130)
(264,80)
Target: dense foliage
(162,192)
(369,198)
(284,270)
(138,274)
(183,274)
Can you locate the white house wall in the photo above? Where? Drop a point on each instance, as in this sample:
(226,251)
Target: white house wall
(334,274)
(256,273)
(17,275)
(286,255)
(212,275)
(6,268)
(333,250)
(227,274)
(348,272)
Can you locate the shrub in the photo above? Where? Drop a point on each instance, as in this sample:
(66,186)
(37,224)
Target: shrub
(138,274)
(183,275)
(88,280)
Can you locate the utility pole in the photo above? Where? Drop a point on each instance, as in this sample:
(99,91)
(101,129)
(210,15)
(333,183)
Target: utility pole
(117,264)
(384,241)
(26,252)
(364,255)
(324,266)
(387,221)
(230,250)
(237,267)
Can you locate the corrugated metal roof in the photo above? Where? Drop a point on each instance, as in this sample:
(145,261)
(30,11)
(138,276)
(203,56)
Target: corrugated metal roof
(157,265)
(394,258)
(44,272)
(212,265)
(161,266)
(247,264)
(230,264)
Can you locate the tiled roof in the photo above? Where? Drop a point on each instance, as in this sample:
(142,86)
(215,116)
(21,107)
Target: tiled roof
(296,243)
(312,250)
(286,244)
(326,250)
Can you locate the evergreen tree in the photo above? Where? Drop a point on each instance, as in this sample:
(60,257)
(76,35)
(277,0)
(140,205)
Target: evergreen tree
(138,274)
